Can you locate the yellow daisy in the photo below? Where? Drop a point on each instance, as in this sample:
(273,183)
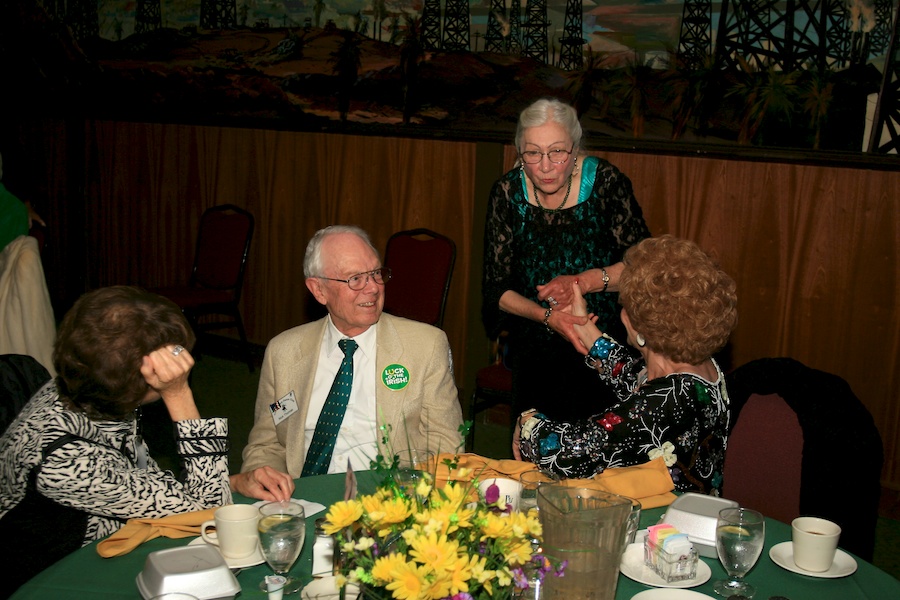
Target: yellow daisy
(341,515)
(385,565)
(437,553)
(409,581)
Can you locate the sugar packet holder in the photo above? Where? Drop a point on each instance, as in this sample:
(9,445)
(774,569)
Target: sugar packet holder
(671,556)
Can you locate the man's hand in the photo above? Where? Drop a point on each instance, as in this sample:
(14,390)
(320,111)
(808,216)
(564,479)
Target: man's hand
(264,483)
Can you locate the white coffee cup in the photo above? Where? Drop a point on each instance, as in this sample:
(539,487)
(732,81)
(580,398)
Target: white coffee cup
(815,541)
(510,490)
(236,534)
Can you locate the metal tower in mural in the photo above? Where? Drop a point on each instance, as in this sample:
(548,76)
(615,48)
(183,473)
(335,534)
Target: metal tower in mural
(431,25)
(147,16)
(81,16)
(571,54)
(495,38)
(514,43)
(870,29)
(786,34)
(456,25)
(217,14)
(536,24)
(886,123)
(695,40)
(880,36)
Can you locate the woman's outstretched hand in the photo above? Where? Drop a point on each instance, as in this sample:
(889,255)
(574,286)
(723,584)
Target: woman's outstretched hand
(584,329)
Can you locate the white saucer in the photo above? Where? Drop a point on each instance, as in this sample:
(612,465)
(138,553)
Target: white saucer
(326,589)
(633,567)
(670,594)
(783,555)
(309,508)
(235,563)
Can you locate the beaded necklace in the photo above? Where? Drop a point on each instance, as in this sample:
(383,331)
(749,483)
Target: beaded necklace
(565,199)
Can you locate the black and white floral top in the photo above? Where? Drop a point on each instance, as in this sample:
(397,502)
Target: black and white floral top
(105,470)
(681,417)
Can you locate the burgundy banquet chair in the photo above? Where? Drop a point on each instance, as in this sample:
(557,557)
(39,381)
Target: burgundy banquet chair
(211,297)
(421,263)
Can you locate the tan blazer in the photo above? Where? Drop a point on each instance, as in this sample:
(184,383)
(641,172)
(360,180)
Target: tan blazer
(427,410)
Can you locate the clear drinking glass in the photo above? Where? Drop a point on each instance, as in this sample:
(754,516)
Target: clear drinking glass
(530,481)
(740,536)
(282,529)
(413,465)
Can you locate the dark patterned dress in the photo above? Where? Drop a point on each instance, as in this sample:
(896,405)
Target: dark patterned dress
(524,246)
(681,417)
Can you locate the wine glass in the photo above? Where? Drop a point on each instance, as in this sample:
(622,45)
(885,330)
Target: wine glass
(531,481)
(282,529)
(412,466)
(740,535)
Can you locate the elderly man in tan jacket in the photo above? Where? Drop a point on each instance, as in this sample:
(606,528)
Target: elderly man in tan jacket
(402,377)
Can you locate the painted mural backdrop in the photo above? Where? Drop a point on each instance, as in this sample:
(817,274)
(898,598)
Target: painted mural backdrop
(801,74)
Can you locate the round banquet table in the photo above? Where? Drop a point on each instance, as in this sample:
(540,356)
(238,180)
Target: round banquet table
(85,575)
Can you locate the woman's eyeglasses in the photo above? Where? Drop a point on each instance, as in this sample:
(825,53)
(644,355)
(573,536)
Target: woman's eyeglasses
(556,156)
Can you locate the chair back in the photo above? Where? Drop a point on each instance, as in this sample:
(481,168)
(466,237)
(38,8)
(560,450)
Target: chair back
(765,450)
(421,263)
(223,244)
(20,377)
(842,452)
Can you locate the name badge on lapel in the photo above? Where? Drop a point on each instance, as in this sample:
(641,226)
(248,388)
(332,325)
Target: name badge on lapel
(284,407)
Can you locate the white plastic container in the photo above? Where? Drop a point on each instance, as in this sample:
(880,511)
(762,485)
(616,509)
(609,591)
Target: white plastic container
(696,515)
(198,570)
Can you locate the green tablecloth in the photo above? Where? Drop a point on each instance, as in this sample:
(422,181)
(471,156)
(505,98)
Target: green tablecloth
(85,575)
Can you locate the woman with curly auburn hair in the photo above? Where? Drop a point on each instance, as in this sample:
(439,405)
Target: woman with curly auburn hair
(678,308)
(73,464)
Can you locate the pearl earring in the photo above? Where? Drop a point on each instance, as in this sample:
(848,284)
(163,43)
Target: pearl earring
(640,340)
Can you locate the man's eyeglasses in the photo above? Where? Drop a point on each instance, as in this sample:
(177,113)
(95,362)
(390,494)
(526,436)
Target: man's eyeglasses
(556,156)
(361,280)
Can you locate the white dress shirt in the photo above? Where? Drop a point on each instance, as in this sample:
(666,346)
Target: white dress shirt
(356,440)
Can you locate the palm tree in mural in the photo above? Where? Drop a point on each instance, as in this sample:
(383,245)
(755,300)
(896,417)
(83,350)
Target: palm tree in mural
(411,51)
(816,94)
(693,93)
(632,86)
(345,64)
(379,14)
(318,7)
(362,24)
(395,28)
(583,82)
(765,95)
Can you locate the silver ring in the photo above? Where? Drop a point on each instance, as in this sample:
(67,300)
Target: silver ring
(177,350)
(552,300)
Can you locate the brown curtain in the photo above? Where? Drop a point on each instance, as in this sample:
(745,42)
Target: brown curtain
(814,249)
(151,182)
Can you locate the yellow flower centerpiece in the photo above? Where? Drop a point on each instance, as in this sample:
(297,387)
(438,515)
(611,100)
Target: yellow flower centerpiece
(413,540)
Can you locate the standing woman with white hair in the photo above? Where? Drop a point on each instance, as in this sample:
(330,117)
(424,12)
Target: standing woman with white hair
(557,217)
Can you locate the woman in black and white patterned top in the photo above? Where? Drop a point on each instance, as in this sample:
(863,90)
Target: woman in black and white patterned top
(73,465)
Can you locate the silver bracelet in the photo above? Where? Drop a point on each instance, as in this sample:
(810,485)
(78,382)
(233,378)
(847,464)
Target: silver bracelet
(547,314)
(605,279)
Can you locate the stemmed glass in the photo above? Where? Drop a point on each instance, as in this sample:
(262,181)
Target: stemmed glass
(740,535)
(412,466)
(282,529)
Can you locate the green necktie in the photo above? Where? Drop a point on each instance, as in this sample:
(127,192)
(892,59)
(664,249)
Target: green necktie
(322,447)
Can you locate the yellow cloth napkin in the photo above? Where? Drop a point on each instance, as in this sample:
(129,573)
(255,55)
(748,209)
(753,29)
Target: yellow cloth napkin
(137,531)
(649,483)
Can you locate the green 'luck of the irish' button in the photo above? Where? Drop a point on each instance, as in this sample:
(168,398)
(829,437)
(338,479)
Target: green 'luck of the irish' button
(395,377)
